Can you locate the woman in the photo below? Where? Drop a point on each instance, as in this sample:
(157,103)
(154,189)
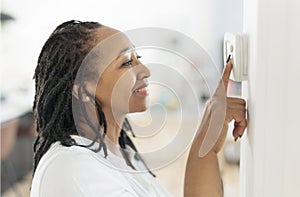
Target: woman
(80,107)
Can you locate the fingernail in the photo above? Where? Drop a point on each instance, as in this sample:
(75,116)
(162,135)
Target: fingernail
(228,58)
(240,136)
(236,138)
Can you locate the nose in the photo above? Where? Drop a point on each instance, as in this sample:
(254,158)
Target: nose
(143,71)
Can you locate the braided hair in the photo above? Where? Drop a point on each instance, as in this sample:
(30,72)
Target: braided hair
(56,70)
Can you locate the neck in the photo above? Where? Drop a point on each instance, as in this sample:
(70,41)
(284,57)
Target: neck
(114,125)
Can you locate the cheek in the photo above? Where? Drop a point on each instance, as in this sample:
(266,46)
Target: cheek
(115,90)
(122,90)
(104,88)
(103,93)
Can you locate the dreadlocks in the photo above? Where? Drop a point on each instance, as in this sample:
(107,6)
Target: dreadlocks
(56,70)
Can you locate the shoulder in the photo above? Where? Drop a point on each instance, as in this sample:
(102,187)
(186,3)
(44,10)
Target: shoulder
(76,171)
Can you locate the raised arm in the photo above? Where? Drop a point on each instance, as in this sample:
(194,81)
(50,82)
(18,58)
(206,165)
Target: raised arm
(202,176)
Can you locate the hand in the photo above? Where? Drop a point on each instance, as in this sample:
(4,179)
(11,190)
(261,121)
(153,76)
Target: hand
(219,111)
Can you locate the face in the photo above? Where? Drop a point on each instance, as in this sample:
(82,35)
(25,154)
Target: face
(123,79)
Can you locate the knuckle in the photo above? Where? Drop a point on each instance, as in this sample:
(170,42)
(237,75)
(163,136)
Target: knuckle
(237,100)
(245,123)
(242,101)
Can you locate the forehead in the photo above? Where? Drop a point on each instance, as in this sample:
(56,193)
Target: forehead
(112,41)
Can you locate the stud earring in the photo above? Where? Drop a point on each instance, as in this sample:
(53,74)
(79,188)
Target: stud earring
(87,98)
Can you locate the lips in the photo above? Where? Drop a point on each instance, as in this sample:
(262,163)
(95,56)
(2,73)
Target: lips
(142,90)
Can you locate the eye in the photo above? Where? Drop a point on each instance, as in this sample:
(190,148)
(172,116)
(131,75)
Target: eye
(128,63)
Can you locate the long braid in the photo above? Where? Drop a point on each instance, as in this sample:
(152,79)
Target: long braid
(58,63)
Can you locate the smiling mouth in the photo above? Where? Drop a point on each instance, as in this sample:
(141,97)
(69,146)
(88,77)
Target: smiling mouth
(142,91)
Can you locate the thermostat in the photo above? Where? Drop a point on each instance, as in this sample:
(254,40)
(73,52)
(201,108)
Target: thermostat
(236,45)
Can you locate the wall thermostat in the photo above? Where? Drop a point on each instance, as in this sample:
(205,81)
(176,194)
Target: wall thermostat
(236,45)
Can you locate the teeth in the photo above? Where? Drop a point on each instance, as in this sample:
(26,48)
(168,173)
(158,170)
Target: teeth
(142,89)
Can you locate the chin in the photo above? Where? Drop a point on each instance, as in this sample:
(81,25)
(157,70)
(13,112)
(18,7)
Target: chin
(139,105)
(136,109)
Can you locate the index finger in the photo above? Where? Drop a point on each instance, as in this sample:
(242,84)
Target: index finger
(226,72)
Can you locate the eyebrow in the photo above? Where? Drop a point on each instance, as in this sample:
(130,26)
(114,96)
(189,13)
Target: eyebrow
(125,50)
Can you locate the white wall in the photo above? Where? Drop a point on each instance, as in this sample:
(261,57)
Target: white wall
(227,16)
(271,150)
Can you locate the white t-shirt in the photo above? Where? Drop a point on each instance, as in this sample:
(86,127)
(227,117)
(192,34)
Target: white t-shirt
(77,171)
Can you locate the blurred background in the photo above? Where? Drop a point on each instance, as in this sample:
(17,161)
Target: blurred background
(26,25)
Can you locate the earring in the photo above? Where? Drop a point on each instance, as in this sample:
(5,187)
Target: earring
(87,98)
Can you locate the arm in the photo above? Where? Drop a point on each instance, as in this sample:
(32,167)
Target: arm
(202,176)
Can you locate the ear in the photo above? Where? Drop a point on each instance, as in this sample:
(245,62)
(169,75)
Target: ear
(85,97)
